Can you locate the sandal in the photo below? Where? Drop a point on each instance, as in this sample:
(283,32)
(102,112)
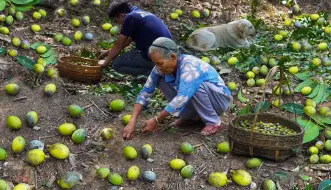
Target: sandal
(180,122)
(211,130)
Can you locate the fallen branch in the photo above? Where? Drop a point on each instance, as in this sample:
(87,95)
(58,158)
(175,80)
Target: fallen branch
(98,108)
(85,107)
(20,98)
(208,149)
(322,167)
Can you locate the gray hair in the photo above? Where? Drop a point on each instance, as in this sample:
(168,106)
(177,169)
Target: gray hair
(164,46)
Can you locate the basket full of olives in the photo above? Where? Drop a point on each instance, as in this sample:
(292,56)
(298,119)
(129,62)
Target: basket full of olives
(271,136)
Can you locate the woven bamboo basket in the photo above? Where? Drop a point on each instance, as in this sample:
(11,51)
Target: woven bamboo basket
(273,147)
(83,73)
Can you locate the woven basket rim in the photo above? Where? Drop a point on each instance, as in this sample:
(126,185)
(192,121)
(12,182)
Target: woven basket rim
(269,114)
(76,57)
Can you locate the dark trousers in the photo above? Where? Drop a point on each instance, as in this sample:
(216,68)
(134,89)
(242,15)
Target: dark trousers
(132,63)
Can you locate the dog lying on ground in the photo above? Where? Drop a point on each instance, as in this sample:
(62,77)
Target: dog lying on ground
(233,34)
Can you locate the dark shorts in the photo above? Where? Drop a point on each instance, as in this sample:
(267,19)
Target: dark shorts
(132,63)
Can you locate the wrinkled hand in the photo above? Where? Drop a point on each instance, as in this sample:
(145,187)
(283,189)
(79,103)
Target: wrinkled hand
(150,126)
(102,63)
(103,53)
(128,131)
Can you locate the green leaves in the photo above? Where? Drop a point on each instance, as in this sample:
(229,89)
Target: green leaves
(310,128)
(321,120)
(241,98)
(26,62)
(24,8)
(303,84)
(304,75)
(325,185)
(21,2)
(244,110)
(2,5)
(293,108)
(50,55)
(322,90)
(304,177)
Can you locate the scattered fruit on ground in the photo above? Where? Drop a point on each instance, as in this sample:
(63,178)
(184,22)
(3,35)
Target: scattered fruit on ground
(12,10)
(74,2)
(113,30)
(268,184)
(35,157)
(256,70)
(66,41)
(115,179)
(316,61)
(58,37)
(42,12)
(12,89)
(321,21)
(31,118)
(133,173)
(50,89)
(78,35)
(241,177)
(117,105)
(214,60)
(327,30)
(195,14)
(4,30)
(293,70)
(75,22)
(25,44)
(217,179)
(59,151)
(322,46)
(260,82)
(306,46)
(314,159)
(66,129)
(22,186)
(277,90)
(78,136)
(106,133)
(69,180)
(3,185)
(253,163)
(88,36)
(263,59)
(126,119)
(187,171)
(186,148)
(41,61)
(177,164)
(103,173)
(13,122)
(36,15)
(18,144)
(327,145)
(41,49)
(325,111)
(325,159)
(278,37)
(35,27)
(287,91)
(250,82)
(146,151)
(51,73)
(179,12)
(264,70)
(232,86)
(3,155)
(232,61)
(309,110)
(319,145)
(313,150)
(36,144)
(327,133)
(106,26)
(296,46)
(265,128)
(60,12)
(12,52)
(310,102)
(223,147)
(205,13)
(306,90)
(284,33)
(314,17)
(173,16)
(277,103)
(272,62)
(130,153)
(75,110)
(250,75)
(287,22)
(86,20)
(38,68)
(16,41)
(9,20)
(149,176)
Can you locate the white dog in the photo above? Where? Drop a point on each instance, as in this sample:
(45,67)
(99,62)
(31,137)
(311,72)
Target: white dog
(233,34)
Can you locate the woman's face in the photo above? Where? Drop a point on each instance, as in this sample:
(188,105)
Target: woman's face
(165,66)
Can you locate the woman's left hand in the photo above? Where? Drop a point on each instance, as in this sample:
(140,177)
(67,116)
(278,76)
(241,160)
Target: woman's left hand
(150,125)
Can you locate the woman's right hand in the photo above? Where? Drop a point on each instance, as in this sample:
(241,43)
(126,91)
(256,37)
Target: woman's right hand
(129,130)
(103,53)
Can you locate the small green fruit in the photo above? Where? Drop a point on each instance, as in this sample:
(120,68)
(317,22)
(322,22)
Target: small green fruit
(126,119)
(146,151)
(253,163)
(12,10)
(250,82)
(36,15)
(103,173)
(223,147)
(38,68)
(35,28)
(42,12)
(58,37)
(13,122)
(310,102)
(306,90)
(19,16)
(309,110)
(51,73)
(325,111)
(232,86)
(272,62)
(133,173)
(195,14)
(50,89)
(268,184)
(187,171)
(186,148)
(264,70)
(74,2)
(86,20)
(177,164)
(293,70)
(260,82)
(232,61)
(322,46)
(287,22)
(66,41)
(25,44)
(106,26)
(75,22)
(16,41)
(130,153)
(113,30)
(96,2)
(78,35)
(314,17)
(115,179)
(60,12)
(9,20)
(327,145)
(3,156)
(256,70)
(106,133)
(41,49)
(173,16)
(12,52)
(75,110)
(179,12)
(319,145)
(278,37)
(205,59)
(41,61)
(78,136)
(283,33)
(296,46)
(313,150)
(4,30)
(31,118)
(314,159)
(205,13)
(12,89)
(217,179)
(250,75)
(327,30)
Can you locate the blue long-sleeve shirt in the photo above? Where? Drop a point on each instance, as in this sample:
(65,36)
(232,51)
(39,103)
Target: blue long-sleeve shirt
(191,72)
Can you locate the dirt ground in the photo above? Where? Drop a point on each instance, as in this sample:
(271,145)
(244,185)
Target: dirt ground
(95,152)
